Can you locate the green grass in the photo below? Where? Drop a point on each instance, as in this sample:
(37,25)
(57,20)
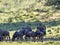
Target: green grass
(31,43)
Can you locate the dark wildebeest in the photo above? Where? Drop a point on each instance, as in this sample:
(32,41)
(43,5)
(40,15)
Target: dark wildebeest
(40,32)
(5,34)
(27,32)
(18,35)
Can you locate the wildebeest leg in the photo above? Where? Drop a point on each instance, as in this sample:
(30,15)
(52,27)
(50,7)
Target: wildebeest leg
(13,38)
(18,38)
(21,38)
(26,38)
(33,39)
(37,38)
(8,38)
(4,38)
(1,38)
(41,38)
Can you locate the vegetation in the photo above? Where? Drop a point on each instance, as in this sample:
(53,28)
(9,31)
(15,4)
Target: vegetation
(15,14)
(30,43)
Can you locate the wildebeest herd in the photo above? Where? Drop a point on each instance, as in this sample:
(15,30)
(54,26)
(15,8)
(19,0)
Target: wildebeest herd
(24,34)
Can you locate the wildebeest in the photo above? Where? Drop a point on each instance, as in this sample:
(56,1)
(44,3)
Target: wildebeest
(18,35)
(27,32)
(5,34)
(40,32)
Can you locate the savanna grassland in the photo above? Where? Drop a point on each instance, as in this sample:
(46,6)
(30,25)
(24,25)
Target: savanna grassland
(15,14)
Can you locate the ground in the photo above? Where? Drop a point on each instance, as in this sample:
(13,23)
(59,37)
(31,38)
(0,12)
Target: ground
(31,43)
